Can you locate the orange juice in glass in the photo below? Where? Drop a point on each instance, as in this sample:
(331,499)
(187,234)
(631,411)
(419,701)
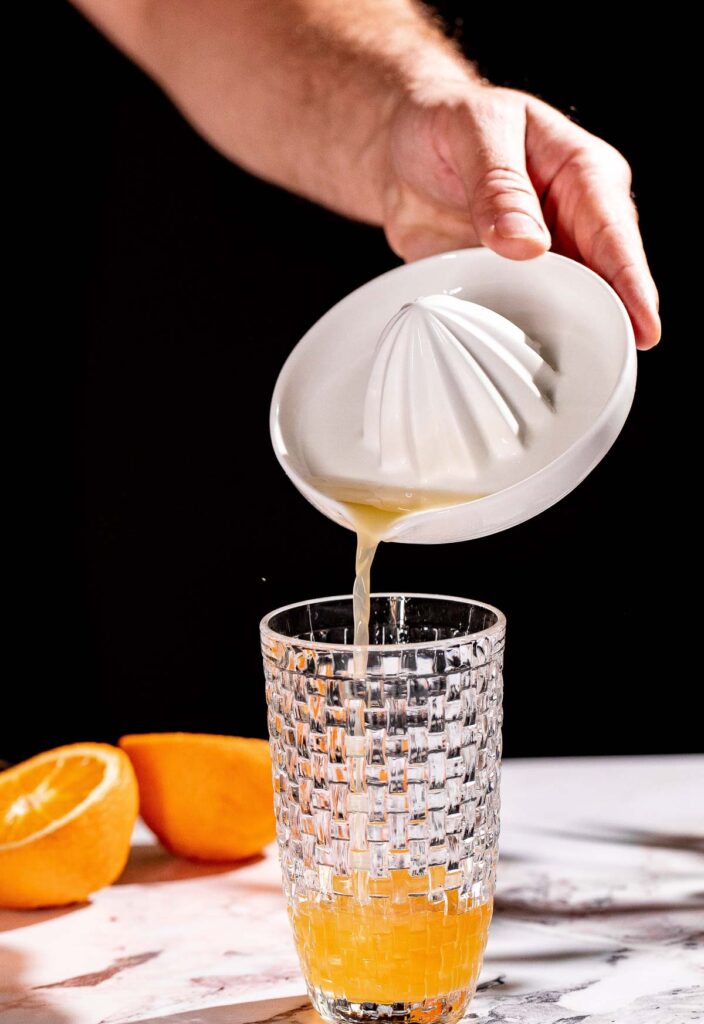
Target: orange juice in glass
(386,793)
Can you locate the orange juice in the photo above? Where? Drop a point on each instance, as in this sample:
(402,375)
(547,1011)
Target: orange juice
(388,950)
(372,510)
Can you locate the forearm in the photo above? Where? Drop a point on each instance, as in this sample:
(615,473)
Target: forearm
(296,91)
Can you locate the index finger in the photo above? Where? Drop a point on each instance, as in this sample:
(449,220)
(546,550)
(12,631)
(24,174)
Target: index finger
(608,240)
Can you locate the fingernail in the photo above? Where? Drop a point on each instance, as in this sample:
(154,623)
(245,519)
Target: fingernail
(518,225)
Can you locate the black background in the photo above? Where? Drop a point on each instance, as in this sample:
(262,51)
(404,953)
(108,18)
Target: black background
(167,288)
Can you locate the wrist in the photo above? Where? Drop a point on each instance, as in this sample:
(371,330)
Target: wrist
(428,78)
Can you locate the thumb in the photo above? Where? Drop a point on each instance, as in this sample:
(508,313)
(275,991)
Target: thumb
(489,155)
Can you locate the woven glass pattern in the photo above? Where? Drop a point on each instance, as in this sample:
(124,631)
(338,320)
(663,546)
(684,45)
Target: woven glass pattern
(386,794)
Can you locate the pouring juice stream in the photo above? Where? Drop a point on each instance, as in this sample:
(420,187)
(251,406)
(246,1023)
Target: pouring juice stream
(372,511)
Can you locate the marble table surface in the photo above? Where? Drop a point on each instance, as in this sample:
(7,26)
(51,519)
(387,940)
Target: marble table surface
(599,918)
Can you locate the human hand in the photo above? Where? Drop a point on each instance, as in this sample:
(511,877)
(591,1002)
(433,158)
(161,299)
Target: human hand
(473,164)
(368,109)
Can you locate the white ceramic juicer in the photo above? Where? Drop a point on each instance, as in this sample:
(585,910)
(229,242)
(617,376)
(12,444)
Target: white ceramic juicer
(463,373)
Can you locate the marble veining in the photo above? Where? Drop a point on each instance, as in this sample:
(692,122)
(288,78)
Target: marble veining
(599,918)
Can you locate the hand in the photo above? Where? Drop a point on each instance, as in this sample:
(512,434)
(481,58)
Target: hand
(471,164)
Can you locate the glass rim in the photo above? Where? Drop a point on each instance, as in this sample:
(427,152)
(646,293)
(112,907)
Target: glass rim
(321,645)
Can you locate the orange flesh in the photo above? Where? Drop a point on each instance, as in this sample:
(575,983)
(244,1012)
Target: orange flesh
(35,798)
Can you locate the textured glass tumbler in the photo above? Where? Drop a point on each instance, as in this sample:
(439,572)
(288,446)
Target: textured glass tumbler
(386,791)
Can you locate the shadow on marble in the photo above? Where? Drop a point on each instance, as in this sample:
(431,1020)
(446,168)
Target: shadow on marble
(499,982)
(552,955)
(635,837)
(19,1005)
(290,1010)
(149,863)
(534,908)
(513,858)
(10,920)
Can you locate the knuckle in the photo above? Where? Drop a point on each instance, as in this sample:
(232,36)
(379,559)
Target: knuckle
(601,158)
(596,160)
(622,269)
(579,164)
(609,246)
(619,166)
(498,180)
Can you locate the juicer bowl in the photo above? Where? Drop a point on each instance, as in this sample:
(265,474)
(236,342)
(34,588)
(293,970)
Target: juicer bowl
(571,315)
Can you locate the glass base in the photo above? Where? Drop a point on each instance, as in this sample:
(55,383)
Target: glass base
(441,1010)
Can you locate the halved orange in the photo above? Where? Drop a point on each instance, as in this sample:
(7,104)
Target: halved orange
(205,797)
(66,820)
